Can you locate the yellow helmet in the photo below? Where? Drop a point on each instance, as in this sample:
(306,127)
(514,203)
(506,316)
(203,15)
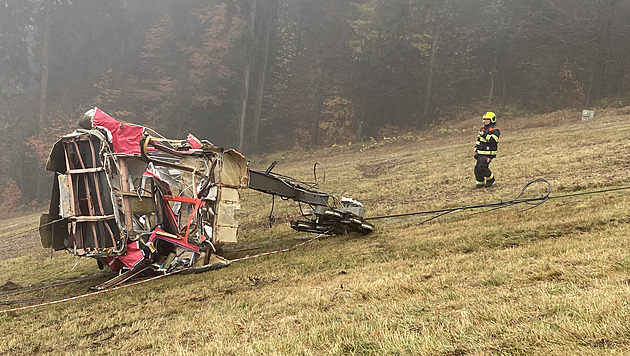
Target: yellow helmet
(491,116)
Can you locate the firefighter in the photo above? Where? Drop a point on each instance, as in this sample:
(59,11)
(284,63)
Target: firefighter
(486,150)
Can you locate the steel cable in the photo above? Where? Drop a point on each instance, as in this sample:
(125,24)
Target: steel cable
(497,205)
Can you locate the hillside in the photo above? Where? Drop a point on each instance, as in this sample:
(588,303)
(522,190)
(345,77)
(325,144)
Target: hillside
(554,279)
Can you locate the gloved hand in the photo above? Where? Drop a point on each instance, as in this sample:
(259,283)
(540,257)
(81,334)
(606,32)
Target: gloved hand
(475,152)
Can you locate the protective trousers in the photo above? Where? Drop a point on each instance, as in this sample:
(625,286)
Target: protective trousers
(482,171)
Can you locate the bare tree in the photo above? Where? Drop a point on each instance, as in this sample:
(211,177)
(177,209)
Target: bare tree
(269,23)
(44,65)
(248,68)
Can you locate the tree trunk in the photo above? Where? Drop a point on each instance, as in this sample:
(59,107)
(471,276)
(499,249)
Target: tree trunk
(427,98)
(248,67)
(493,75)
(317,108)
(362,118)
(263,71)
(44,90)
(241,125)
(44,66)
(598,67)
(589,89)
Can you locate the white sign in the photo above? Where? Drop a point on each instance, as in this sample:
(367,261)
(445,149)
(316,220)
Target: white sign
(587,114)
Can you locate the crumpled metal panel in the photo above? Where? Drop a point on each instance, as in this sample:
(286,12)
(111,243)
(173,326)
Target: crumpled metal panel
(65,209)
(234,171)
(234,174)
(53,232)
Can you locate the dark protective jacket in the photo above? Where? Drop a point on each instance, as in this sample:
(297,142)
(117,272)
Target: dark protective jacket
(487,140)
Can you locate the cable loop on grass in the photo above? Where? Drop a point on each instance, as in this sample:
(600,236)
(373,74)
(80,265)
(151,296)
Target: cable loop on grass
(498,205)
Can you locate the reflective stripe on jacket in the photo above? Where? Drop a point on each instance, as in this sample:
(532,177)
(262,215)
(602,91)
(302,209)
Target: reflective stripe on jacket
(487,140)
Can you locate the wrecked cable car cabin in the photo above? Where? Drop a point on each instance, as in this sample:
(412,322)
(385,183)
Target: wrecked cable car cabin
(134,200)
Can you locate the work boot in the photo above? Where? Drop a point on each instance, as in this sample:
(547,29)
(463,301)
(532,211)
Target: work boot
(479,185)
(489,182)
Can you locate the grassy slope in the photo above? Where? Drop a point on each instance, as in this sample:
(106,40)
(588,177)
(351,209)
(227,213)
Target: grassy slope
(550,280)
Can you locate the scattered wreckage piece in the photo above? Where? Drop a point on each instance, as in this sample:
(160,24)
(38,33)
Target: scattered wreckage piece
(140,203)
(322,217)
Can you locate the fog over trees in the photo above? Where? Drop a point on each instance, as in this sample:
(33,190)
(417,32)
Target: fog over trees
(263,75)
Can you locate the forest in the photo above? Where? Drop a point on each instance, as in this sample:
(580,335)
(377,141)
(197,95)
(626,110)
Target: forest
(268,75)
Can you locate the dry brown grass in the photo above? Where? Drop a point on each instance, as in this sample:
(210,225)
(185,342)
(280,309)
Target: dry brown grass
(553,280)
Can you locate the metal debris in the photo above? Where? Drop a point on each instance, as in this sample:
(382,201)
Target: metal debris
(141,203)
